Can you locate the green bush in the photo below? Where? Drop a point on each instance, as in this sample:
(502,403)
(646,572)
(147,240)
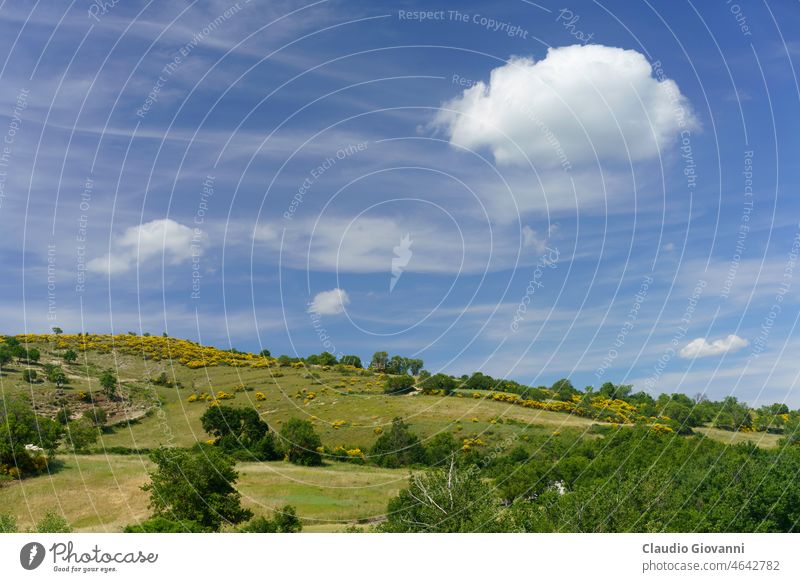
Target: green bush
(301,443)
(398,447)
(399,384)
(164,525)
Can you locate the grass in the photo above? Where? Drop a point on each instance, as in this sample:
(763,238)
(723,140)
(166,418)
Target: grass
(762,439)
(103,493)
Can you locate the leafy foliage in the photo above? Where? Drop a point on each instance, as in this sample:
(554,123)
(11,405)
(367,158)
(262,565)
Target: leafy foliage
(301,442)
(195,486)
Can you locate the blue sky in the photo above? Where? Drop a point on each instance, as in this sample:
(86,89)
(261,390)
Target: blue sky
(605,191)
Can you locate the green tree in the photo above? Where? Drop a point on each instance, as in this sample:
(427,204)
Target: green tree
(379,361)
(438,383)
(447,500)
(58,330)
(96,415)
(351,360)
(398,384)
(6,356)
(301,442)
(563,389)
(19,427)
(195,486)
(397,447)
(240,430)
(108,382)
(29,376)
(415,365)
(81,434)
(56,375)
(265,353)
(70,356)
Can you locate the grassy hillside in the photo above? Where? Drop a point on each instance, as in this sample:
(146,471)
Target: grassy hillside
(165,386)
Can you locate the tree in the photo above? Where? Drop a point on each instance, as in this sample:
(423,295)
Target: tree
(29,376)
(63,415)
(265,353)
(563,389)
(301,443)
(20,428)
(56,375)
(479,381)
(438,383)
(195,486)
(351,360)
(615,391)
(415,365)
(5,355)
(397,365)
(30,355)
(443,501)
(397,447)
(58,330)
(108,381)
(81,434)
(70,356)
(379,361)
(441,448)
(398,384)
(240,430)
(96,415)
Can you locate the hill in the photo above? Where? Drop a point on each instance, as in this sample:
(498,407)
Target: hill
(162,386)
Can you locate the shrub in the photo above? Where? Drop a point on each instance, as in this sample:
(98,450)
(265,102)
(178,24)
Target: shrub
(438,384)
(164,525)
(301,442)
(7,523)
(442,501)
(399,384)
(29,376)
(52,522)
(398,447)
(81,434)
(96,415)
(284,520)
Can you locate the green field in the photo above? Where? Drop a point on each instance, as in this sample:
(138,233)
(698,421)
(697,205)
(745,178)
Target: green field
(102,492)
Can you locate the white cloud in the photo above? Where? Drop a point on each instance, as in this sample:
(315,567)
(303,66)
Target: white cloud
(329,302)
(577,103)
(531,239)
(701,347)
(154,239)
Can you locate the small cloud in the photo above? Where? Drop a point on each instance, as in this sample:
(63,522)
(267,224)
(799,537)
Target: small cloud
(701,347)
(531,239)
(329,302)
(164,237)
(669,247)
